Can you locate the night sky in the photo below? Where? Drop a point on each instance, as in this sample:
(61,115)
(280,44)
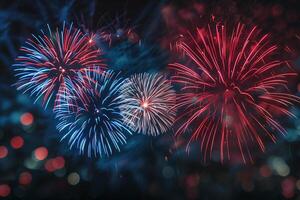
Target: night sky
(36,164)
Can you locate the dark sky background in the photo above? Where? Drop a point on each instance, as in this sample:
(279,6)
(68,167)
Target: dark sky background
(147,167)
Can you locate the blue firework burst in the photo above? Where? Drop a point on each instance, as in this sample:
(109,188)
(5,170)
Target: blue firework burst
(92,119)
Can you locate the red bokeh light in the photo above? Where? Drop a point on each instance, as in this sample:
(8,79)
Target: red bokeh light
(17,142)
(25,178)
(55,164)
(41,153)
(276,10)
(288,187)
(49,166)
(192,180)
(26,119)
(58,162)
(200,8)
(298,87)
(265,171)
(3,152)
(4,190)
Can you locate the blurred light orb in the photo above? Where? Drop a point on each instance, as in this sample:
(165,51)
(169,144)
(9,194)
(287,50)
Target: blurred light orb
(17,142)
(58,162)
(54,164)
(73,178)
(279,166)
(26,119)
(41,153)
(288,187)
(31,163)
(4,190)
(49,166)
(265,171)
(298,184)
(3,152)
(25,178)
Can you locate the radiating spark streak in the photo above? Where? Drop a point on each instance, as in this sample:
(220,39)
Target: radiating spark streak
(92,120)
(232,97)
(154,101)
(52,63)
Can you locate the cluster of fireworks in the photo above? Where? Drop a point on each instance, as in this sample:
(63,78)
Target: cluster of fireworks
(230,91)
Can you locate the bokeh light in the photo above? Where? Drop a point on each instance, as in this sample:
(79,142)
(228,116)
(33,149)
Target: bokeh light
(298,184)
(17,142)
(54,164)
(265,171)
(73,178)
(49,166)
(26,119)
(41,153)
(25,178)
(58,162)
(3,152)
(4,190)
(32,163)
(288,187)
(279,166)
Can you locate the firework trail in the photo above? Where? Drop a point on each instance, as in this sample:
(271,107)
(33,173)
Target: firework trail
(234,90)
(154,102)
(93,121)
(53,63)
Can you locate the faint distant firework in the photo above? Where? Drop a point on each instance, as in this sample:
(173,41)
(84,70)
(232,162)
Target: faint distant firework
(92,119)
(127,49)
(154,100)
(233,90)
(52,63)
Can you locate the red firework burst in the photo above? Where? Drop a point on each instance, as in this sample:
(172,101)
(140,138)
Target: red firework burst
(233,91)
(52,63)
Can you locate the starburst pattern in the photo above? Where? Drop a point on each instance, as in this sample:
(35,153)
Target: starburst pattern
(154,101)
(233,91)
(52,63)
(92,119)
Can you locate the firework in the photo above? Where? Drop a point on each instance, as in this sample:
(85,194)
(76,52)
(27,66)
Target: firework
(92,119)
(51,63)
(233,91)
(154,102)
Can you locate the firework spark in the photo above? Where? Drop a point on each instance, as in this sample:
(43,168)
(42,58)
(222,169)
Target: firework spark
(154,101)
(233,92)
(52,63)
(93,121)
